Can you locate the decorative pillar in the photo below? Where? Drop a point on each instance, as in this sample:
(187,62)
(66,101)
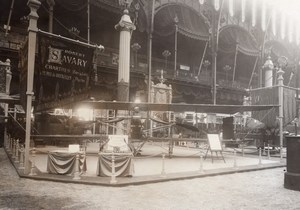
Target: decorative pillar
(32,31)
(51,4)
(268,67)
(282,62)
(125,26)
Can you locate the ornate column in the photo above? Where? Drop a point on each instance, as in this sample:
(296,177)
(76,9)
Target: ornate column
(32,31)
(282,62)
(125,26)
(268,67)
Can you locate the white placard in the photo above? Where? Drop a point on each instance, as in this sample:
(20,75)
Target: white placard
(117,143)
(214,142)
(74,148)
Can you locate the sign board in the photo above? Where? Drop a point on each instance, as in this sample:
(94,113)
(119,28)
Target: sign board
(64,73)
(73,148)
(117,143)
(214,142)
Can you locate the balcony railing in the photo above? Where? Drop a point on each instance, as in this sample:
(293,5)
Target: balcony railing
(139,64)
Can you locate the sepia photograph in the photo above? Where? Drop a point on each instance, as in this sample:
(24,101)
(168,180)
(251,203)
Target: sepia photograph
(149,104)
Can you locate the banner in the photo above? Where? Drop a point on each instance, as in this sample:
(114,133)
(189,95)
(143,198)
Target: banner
(269,96)
(64,72)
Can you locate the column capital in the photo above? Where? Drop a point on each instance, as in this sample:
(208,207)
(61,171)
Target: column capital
(34,5)
(125,23)
(268,65)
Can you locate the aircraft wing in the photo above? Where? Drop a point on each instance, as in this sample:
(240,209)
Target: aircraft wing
(176,107)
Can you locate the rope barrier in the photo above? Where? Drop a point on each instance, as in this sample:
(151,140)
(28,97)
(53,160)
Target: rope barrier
(18,155)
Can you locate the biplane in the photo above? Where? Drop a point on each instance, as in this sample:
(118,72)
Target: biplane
(133,112)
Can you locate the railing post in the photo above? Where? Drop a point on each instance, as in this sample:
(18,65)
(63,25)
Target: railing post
(17,151)
(259,157)
(163,172)
(77,165)
(13,149)
(113,170)
(32,171)
(264,152)
(10,146)
(7,145)
(21,165)
(234,160)
(243,152)
(201,164)
(269,155)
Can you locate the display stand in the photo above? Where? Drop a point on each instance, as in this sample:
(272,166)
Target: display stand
(214,145)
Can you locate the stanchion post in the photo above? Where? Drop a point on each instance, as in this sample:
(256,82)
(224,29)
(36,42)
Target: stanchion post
(21,165)
(269,156)
(234,159)
(84,158)
(243,152)
(163,172)
(259,157)
(13,152)
(17,151)
(10,146)
(113,170)
(201,163)
(32,170)
(7,144)
(77,165)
